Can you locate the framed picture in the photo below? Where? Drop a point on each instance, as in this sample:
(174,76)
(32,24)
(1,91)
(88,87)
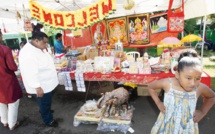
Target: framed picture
(117,31)
(98,32)
(158,23)
(138,29)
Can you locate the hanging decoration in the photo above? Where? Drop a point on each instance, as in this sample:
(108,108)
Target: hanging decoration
(4,29)
(27,20)
(175,22)
(128,4)
(73,20)
(18,15)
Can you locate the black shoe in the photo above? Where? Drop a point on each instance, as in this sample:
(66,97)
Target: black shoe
(53,124)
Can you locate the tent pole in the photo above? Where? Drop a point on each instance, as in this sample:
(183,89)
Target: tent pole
(203,38)
(182,35)
(26,36)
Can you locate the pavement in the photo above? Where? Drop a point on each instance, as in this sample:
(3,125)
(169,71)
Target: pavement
(67,103)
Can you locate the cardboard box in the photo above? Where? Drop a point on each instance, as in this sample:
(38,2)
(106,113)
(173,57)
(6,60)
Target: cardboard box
(143,91)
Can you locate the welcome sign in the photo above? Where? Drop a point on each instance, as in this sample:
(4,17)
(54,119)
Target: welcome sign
(73,20)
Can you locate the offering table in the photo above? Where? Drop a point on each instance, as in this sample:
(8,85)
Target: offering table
(139,79)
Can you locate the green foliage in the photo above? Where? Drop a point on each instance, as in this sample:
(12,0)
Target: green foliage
(206,53)
(51,30)
(130,49)
(155,27)
(152,51)
(209,66)
(212,18)
(190,26)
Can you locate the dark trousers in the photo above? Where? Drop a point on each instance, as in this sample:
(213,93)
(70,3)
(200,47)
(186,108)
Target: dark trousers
(213,47)
(45,107)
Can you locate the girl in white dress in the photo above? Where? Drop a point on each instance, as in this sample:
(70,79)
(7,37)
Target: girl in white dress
(178,114)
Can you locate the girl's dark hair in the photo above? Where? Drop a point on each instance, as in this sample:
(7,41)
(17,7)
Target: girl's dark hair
(188,58)
(39,36)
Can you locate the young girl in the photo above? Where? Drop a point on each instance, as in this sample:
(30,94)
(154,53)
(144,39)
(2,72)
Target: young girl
(178,114)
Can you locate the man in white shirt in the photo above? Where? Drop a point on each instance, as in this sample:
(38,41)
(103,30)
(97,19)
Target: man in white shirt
(39,74)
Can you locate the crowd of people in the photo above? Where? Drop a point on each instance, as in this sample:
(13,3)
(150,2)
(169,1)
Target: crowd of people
(38,74)
(40,79)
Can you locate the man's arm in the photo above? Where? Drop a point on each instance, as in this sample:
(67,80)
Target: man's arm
(29,71)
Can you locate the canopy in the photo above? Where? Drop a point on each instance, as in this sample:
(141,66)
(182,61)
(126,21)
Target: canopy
(191,38)
(193,8)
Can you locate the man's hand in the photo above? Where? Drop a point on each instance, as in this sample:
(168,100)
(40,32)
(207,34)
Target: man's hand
(40,92)
(66,48)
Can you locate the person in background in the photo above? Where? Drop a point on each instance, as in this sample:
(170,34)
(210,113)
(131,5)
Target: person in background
(10,90)
(53,50)
(178,112)
(39,75)
(58,44)
(22,44)
(213,47)
(199,34)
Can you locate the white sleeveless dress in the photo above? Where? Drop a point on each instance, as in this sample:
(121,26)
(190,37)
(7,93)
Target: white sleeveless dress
(178,119)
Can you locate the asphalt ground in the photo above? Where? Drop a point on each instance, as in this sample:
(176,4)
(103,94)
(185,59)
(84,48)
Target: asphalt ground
(67,103)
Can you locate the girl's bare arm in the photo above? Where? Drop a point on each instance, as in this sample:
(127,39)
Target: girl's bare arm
(208,98)
(159,84)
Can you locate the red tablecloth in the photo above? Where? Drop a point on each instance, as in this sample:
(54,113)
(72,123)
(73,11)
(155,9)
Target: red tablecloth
(140,79)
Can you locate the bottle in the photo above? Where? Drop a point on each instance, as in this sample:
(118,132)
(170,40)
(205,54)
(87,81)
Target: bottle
(119,46)
(145,56)
(146,60)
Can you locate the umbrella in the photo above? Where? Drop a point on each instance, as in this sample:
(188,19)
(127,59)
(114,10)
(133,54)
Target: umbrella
(191,38)
(170,42)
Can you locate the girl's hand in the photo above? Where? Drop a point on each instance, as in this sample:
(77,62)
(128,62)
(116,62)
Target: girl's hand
(161,107)
(198,115)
